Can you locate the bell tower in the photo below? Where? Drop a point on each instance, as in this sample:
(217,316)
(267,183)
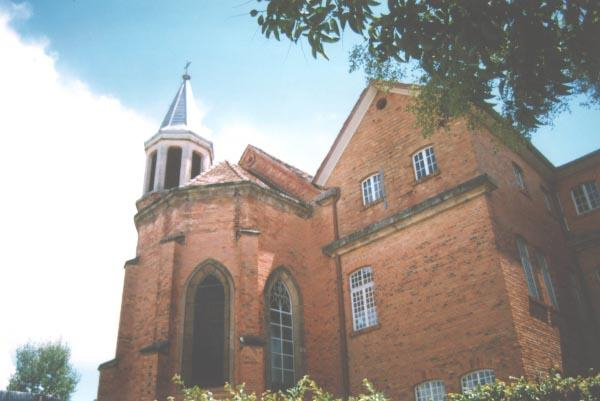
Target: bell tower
(177,153)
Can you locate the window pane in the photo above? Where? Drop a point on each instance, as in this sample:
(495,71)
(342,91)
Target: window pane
(419,165)
(288,379)
(580,200)
(430,391)
(364,313)
(431,162)
(477,378)
(288,362)
(372,189)
(547,279)
(282,346)
(593,194)
(276,345)
(527,268)
(519,178)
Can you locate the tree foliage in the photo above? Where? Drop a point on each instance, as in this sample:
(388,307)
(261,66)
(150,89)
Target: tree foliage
(44,369)
(529,56)
(550,387)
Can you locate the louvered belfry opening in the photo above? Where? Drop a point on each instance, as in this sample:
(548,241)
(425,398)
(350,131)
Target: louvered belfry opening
(152,177)
(208,365)
(173,167)
(196,164)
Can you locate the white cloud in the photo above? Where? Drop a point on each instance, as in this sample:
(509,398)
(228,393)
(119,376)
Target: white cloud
(71,169)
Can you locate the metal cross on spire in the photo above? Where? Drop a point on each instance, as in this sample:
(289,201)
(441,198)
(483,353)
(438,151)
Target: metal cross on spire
(186,76)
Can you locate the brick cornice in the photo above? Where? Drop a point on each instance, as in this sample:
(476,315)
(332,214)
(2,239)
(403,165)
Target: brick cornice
(221,189)
(108,364)
(461,193)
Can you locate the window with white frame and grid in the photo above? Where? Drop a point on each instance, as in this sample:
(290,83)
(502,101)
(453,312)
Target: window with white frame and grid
(424,163)
(586,197)
(282,338)
(547,279)
(433,390)
(477,378)
(372,189)
(547,199)
(527,268)
(519,177)
(364,313)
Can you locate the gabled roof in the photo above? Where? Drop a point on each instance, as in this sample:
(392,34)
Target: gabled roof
(349,128)
(225,172)
(183,114)
(278,174)
(303,175)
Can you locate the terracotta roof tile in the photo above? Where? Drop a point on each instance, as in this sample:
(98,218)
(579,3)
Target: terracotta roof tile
(225,172)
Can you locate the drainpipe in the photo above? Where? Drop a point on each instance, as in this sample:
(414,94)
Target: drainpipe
(342,310)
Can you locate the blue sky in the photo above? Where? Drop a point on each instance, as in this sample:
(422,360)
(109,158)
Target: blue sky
(135,50)
(84,83)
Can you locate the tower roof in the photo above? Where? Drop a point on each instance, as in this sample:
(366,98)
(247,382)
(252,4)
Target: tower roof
(183,114)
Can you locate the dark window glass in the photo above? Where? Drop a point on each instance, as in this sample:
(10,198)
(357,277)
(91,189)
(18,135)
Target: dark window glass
(173,167)
(152,172)
(196,164)
(208,366)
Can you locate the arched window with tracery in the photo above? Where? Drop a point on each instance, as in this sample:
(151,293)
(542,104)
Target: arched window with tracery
(284,361)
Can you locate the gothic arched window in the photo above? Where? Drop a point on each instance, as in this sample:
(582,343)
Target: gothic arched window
(207,334)
(284,332)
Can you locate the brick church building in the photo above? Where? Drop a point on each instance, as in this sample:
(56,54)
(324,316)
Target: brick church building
(427,265)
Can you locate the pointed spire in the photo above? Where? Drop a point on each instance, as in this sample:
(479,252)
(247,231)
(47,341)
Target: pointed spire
(183,113)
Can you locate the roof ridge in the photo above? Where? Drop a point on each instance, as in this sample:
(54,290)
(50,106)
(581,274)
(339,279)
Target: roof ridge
(233,168)
(301,173)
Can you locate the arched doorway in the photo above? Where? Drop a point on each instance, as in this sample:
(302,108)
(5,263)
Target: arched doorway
(207,348)
(209,334)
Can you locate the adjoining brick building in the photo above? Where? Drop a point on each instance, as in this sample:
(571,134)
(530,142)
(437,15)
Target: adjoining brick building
(427,265)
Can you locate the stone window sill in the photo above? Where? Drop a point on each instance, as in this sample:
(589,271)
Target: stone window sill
(370,205)
(427,177)
(586,214)
(365,330)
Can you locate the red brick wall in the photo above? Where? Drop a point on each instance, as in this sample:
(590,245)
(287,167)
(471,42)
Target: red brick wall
(584,230)
(442,305)
(386,140)
(517,212)
(153,307)
(571,176)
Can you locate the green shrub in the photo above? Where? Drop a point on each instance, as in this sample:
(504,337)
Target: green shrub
(551,387)
(305,389)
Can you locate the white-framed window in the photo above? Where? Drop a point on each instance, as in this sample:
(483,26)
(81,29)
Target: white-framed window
(424,163)
(372,189)
(527,268)
(477,378)
(547,279)
(586,197)
(547,200)
(362,295)
(281,337)
(519,177)
(432,390)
